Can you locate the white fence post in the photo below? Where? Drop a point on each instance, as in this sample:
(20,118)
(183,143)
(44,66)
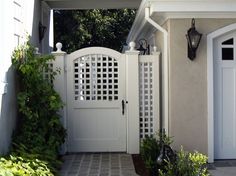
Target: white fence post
(156,90)
(132,94)
(60,83)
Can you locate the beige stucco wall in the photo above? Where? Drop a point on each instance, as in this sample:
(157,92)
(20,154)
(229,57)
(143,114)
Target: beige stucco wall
(188,83)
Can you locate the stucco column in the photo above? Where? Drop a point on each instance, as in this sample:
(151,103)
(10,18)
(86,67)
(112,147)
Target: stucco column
(132,94)
(60,83)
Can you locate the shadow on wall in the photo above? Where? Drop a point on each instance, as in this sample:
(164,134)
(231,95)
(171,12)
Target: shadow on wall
(41,13)
(34,38)
(8,112)
(8,100)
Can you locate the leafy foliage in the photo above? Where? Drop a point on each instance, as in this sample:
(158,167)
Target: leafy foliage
(40,132)
(150,149)
(187,164)
(49,157)
(21,166)
(38,102)
(82,28)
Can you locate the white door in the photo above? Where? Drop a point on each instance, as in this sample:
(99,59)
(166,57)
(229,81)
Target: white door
(225,96)
(95,91)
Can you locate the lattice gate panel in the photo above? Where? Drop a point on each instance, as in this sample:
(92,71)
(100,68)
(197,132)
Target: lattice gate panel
(96,78)
(146,114)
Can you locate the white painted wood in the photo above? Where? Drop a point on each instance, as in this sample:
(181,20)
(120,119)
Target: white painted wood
(149,111)
(138,24)
(210,50)
(93,124)
(132,94)
(196,6)
(156,90)
(98,124)
(60,84)
(162,10)
(225,98)
(210,99)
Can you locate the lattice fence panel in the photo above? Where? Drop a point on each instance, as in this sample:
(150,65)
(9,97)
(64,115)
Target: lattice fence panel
(146,99)
(48,72)
(96,78)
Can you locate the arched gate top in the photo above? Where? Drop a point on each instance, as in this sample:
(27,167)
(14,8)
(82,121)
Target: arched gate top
(95,50)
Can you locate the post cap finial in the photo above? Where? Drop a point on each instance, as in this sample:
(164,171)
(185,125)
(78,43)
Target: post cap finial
(154,48)
(132,46)
(59,46)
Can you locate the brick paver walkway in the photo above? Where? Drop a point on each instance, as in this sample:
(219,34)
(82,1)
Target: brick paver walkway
(223,168)
(98,164)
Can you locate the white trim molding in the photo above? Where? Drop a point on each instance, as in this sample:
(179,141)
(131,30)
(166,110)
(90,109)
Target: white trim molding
(138,23)
(210,83)
(162,10)
(193,6)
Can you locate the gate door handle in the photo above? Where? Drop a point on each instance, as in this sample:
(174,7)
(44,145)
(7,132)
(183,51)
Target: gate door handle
(123,107)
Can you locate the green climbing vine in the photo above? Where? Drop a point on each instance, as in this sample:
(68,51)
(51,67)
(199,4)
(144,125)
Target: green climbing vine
(40,133)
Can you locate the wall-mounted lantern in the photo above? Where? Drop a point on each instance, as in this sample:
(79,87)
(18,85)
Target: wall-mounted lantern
(194,38)
(42,30)
(144,48)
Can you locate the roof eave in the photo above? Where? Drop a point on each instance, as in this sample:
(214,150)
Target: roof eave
(138,24)
(164,10)
(92,4)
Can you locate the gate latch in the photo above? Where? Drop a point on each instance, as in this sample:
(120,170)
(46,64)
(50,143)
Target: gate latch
(123,102)
(123,107)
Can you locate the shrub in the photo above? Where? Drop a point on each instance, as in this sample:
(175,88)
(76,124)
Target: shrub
(20,166)
(182,164)
(40,134)
(150,149)
(39,103)
(187,164)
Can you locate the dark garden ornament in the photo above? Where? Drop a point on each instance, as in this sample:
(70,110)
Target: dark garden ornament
(166,152)
(144,47)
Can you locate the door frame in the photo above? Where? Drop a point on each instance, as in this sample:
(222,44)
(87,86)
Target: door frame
(210,85)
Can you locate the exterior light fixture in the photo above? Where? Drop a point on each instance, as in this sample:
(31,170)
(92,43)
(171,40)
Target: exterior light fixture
(42,30)
(194,38)
(144,48)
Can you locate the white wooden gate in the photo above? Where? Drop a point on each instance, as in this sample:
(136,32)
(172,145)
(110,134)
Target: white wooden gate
(112,99)
(95,93)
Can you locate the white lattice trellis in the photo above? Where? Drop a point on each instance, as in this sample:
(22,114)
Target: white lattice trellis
(147,107)
(48,72)
(96,78)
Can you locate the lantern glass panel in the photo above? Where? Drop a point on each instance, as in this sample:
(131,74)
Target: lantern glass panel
(195,39)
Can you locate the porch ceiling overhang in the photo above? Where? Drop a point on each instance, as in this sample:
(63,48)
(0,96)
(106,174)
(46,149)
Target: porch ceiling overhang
(92,4)
(162,10)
